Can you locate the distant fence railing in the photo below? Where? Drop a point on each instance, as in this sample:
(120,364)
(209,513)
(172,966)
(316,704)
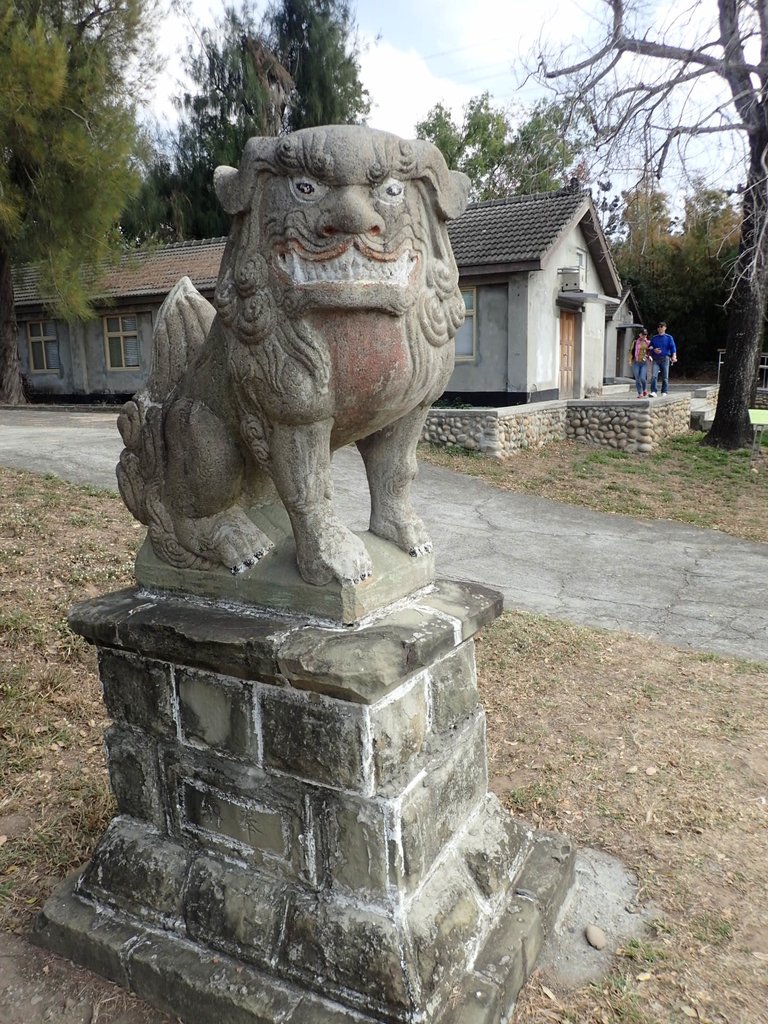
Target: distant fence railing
(762,370)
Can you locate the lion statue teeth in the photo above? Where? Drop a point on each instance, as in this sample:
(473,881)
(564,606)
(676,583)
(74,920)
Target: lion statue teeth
(334,312)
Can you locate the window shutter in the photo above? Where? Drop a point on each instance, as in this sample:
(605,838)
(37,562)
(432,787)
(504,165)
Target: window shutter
(465,338)
(52,361)
(131,349)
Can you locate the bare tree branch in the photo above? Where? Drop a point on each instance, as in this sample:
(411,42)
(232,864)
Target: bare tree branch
(650,93)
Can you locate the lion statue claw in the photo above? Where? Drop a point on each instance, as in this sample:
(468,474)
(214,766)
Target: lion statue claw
(333,317)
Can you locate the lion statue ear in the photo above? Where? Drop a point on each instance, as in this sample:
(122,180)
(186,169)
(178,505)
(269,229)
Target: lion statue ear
(234,187)
(450,188)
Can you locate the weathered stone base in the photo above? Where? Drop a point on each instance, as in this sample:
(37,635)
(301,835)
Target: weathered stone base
(304,831)
(203,985)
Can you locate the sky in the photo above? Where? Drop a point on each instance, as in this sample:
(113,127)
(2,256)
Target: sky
(416,53)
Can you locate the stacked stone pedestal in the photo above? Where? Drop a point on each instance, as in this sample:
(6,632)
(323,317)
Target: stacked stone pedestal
(305,834)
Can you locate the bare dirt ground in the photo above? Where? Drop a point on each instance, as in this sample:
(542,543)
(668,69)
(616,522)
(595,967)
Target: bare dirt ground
(657,756)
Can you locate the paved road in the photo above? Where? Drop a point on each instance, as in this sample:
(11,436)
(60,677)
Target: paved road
(687,586)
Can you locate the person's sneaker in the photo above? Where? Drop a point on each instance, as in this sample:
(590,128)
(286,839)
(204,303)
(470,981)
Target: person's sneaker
(645,394)
(652,394)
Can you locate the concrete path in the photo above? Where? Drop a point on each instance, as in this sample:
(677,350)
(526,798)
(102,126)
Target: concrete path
(687,586)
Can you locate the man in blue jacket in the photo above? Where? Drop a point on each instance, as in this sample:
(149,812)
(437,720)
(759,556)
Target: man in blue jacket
(663,350)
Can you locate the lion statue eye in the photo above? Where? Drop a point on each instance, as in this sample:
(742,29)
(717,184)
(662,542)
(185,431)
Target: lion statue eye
(307,189)
(390,191)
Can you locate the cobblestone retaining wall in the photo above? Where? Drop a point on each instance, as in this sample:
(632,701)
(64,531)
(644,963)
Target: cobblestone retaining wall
(761,401)
(627,424)
(634,426)
(497,432)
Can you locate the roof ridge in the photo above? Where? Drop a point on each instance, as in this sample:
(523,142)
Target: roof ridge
(189,243)
(580,193)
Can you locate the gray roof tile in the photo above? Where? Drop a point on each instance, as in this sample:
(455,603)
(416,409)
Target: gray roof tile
(519,229)
(143,272)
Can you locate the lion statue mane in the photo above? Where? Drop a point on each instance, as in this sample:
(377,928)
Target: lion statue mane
(333,318)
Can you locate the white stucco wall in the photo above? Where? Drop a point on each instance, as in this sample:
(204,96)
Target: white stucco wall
(590,352)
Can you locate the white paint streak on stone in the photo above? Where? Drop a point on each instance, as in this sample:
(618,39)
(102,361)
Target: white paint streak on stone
(402,604)
(150,603)
(312,782)
(281,937)
(458,631)
(367,767)
(401,691)
(307,840)
(257,723)
(428,702)
(393,836)
(175,705)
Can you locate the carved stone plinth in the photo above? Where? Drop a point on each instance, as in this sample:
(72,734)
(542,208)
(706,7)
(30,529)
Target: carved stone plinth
(304,833)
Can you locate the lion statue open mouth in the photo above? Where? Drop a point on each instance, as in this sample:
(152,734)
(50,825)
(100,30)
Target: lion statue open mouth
(334,312)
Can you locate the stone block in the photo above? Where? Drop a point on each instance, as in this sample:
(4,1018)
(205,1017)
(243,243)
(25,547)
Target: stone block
(133,774)
(353,844)
(274,582)
(239,912)
(508,954)
(224,817)
(434,809)
(137,870)
(494,847)
(445,922)
(200,988)
(137,692)
(249,800)
(74,929)
(319,739)
(471,605)
(348,950)
(477,1002)
(366,665)
(216,712)
(548,874)
(200,636)
(313,1010)
(453,688)
(399,726)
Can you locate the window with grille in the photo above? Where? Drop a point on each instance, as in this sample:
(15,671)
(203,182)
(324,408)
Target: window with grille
(121,336)
(43,346)
(466,337)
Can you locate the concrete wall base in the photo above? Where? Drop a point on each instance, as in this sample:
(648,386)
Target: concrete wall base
(305,832)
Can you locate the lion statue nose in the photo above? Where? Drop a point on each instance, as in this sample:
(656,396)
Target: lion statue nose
(349,213)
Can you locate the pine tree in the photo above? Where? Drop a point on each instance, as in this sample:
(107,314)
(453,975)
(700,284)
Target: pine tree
(69,72)
(314,41)
(296,69)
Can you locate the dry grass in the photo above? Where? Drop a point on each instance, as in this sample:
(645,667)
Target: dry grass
(654,755)
(660,758)
(683,481)
(58,544)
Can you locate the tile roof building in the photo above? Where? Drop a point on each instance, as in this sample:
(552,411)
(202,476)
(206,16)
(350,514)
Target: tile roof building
(148,272)
(520,232)
(537,276)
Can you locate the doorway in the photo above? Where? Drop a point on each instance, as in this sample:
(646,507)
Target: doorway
(568,326)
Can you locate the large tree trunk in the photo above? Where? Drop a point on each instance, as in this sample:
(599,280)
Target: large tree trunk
(738,377)
(11,390)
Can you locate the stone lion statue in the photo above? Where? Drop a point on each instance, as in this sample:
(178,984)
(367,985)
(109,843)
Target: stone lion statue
(333,319)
